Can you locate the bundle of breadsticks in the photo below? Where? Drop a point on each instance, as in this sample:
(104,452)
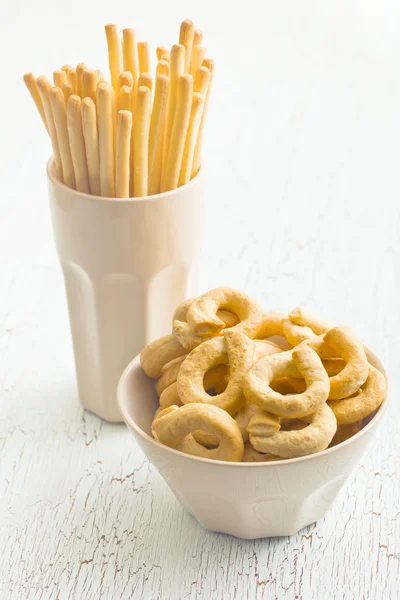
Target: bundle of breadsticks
(237,384)
(136,136)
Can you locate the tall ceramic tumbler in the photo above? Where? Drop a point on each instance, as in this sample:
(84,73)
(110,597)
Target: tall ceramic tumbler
(127,263)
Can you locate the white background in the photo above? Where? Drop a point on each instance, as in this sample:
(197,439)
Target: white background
(302,152)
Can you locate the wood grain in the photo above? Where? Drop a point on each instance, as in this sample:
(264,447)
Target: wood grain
(302,209)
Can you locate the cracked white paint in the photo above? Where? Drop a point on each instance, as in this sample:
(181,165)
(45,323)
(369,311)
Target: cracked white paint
(302,209)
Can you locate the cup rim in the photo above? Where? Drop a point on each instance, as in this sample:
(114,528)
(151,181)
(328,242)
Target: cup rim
(49,170)
(129,421)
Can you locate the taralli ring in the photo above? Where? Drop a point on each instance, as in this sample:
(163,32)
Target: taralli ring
(157,354)
(173,426)
(355,372)
(228,317)
(302,360)
(290,444)
(362,403)
(234,347)
(301,317)
(202,320)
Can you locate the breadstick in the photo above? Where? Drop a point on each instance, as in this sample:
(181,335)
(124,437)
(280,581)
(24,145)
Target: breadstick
(79,78)
(72,79)
(161,51)
(66,69)
(145,80)
(125,79)
(156,130)
(67,90)
(90,136)
(125,98)
(60,120)
(89,84)
(198,55)
(202,81)
(141,141)
(59,77)
(144,57)
(106,125)
(198,37)
(179,131)
(186,36)
(130,54)
(44,87)
(77,143)
(209,64)
(124,130)
(30,83)
(162,68)
(176,69)
(114,54)
(100,76)
(191,137)
(166,57)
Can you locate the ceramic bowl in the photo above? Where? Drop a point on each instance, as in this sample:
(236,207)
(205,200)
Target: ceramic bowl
(246,500)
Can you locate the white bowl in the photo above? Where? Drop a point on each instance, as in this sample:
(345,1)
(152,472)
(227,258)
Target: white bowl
(247,500)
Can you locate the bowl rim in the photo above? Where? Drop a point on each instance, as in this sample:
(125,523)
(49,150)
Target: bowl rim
(129,421)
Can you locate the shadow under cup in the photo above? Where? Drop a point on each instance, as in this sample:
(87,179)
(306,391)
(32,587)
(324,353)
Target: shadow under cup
(127,264)
(247,500)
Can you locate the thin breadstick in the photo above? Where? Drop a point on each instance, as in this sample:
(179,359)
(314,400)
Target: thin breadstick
(202,81)
(198,55)
(72,79)
(162,68)
(59,77)
(198,37)
(176,69)
(44,87)
(141,141)
(125,78)
(100,76)
(209,64)
(124,130)
(90,135)
(77,143)
(79,78)
(161,51)
(114,54)
(130,54)
(191,138)
(166,57)
(89,84)
(144,57)
(60,120)
(125,98)
(106,125)
(66,69)
(186,36)
(146,80)
(179,131)
(30,82)
(67,90)
(156,130)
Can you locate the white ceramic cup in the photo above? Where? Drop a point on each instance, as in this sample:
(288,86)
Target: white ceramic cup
(127,264)
(247,500)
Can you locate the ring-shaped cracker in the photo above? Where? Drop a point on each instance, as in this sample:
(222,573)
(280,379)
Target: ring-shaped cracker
(367,399)
(160,352)
(173,426)
(203,322)
(355,372)
(233,348)
(289,444)
(302,360)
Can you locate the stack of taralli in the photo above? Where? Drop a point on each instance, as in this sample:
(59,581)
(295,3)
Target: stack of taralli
(138,136)
(229,392)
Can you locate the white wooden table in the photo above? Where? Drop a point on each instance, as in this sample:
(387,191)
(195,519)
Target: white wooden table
(303,208)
